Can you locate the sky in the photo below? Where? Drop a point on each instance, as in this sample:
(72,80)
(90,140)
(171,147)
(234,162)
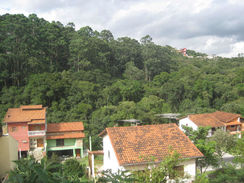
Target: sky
(208,26)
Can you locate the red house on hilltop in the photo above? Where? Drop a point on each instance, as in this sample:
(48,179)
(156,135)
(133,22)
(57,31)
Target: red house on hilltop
(27,125)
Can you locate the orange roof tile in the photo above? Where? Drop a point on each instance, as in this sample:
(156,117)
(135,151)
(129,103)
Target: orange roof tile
(65,127)
(30,107)
(66,135)
(132,145)
(215,119)
(25,114)
(233,123)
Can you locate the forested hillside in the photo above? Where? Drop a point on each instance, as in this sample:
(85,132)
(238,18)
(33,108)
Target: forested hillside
(90,76)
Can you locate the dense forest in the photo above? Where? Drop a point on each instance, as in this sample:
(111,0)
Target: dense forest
(86,75)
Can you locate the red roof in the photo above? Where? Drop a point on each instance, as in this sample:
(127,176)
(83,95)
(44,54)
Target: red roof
(215,119)
(133,143)
(66,135)
(65,127)
(27,113)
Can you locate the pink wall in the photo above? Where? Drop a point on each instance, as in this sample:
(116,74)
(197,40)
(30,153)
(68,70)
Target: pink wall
(20,134)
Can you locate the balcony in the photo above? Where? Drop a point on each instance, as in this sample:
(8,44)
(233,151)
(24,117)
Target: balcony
(36,133)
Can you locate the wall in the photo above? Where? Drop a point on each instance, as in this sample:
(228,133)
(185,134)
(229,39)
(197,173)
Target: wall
(187,122)
(67,142)
(189,168)
(8,153)
(109,162)
(21,135)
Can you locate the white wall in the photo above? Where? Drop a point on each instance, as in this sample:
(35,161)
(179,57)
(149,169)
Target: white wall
(109,162)
(187,122)
(190,168)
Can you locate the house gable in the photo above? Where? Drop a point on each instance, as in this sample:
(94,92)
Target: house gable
(139,144)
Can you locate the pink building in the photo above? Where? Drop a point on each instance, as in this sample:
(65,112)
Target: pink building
(27,125)
(183,51)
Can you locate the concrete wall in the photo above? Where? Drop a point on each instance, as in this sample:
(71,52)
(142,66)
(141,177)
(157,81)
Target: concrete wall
(21,135)
(187,122)
(69,144)
(109,159)
(8,153)
(189,168)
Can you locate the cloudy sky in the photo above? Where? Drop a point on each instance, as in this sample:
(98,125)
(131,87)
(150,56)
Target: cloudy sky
(209,26)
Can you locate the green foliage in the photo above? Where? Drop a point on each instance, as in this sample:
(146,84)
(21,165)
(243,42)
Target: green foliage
(118,177)
(238,150)
(228,174)
(225,142)
(202,178)
(206,146)
(73,170)
(160,173)
(28,170)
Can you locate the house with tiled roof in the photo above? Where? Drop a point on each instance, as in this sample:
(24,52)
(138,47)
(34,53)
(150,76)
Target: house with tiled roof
(65,138)
(131,148)
(217,120)
(27,125)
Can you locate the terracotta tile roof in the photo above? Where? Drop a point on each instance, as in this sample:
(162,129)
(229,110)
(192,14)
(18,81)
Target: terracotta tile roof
(31,107)
(215,119)
(66,135)
(25,114)
(41,121)
(65,127)
(132,145)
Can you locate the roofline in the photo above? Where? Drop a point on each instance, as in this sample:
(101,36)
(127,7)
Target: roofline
(102,134)
(66,122)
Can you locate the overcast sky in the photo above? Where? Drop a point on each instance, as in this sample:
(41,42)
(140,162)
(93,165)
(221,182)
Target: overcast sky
(209,26)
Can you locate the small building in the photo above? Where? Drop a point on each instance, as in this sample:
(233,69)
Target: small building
(125,147)
(27,125)
(183,51)
(217,120)
(65,138)
(8,153)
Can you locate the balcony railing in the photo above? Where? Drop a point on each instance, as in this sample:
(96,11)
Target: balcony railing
(37,133)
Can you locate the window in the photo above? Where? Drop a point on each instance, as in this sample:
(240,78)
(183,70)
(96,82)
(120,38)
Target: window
(179,171)
(233,126)
(108,154)
(60,142)
(14,129)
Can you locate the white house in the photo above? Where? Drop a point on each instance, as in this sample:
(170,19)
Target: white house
(129,148)
(216,120)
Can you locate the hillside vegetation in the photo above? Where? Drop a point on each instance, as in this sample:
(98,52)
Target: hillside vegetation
(90,76)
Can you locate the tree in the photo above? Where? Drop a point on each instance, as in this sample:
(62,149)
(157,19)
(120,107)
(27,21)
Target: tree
(118,177)
(73,170)
(167,169)
(225,142)
(206,146)
(238,150)
(28,170)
